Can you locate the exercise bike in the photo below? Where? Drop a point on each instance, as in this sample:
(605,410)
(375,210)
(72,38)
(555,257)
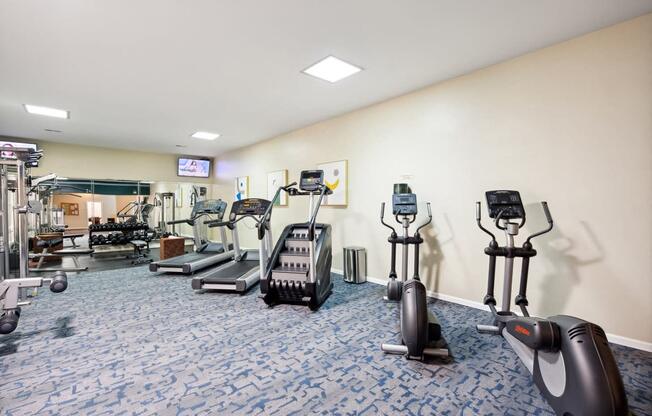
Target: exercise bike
(569,358)
(420,330)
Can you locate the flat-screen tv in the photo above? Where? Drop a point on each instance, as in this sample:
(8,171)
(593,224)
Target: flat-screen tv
(198,168)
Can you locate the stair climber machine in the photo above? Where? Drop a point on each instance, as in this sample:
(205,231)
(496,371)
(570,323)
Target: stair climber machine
(420,330)
(569,358)
(207,253)
(299,271)
(16,284)
(243,272)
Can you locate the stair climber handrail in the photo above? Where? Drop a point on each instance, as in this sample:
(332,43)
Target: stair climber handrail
(324,190)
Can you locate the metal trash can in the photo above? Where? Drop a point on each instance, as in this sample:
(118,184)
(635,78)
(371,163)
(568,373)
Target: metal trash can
(355,264)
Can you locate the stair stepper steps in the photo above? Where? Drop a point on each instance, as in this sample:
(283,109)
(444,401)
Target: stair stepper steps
(294,261)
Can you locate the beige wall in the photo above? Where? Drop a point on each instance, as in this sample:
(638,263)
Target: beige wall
(570,124)
(78,161)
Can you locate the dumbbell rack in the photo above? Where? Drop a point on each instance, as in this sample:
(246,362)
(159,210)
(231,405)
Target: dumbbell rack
(102,229)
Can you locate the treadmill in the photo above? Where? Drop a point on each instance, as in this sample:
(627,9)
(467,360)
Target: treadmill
(243,272)
(207,253)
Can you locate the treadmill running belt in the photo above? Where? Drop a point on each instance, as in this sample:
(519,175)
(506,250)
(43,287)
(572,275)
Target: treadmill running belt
(231,272)
(184,258)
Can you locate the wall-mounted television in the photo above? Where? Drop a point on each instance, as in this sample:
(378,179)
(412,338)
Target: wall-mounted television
(195,167)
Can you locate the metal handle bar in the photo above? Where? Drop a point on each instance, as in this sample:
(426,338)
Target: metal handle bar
(546,211)
(478,219)
(429,218)
(382,218)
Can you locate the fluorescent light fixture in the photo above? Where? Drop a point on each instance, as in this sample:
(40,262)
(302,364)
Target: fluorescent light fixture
(46,111)
(332,69)
(204,135)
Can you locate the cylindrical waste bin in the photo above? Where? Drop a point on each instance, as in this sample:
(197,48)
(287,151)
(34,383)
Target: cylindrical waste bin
(355,264)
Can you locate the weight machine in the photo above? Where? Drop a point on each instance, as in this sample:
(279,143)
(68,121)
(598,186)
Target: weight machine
(15,279)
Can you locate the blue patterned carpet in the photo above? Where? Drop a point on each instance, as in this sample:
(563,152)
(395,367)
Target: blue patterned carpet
(126,342)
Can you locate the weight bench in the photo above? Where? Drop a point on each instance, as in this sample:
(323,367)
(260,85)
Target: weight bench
(66,252)
(139,256)
(72,239)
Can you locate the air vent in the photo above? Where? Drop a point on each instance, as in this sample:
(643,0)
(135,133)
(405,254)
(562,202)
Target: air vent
(599,332)
(577,331)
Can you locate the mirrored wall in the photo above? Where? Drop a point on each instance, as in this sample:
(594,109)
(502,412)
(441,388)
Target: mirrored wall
(79,203)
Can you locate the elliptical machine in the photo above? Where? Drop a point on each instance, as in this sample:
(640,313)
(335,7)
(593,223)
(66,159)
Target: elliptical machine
(420,330)
(569,358)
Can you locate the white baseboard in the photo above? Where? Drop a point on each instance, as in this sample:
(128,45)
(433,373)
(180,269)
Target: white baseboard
(615,339)
(630,342)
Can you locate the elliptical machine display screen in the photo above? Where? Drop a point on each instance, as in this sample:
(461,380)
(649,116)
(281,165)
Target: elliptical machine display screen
(311,180)
(404,204)
(250,206)
(506,203)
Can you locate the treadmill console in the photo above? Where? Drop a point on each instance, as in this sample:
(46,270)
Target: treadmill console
(404,204)
(209,206)
(311,180)
(509,202)
(249,206)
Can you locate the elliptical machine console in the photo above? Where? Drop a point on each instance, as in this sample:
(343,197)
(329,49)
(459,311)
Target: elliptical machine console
(420,329)
(569,358)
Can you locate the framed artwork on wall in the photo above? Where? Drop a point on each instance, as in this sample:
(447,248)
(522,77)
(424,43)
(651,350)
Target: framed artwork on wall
(241,188)
(336,178)
(274,180)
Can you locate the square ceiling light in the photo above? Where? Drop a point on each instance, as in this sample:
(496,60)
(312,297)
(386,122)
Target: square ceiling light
(332,69)
(46,111)
(204,135)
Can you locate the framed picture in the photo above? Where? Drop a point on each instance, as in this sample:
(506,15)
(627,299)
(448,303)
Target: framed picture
(70,208)
(274,180)
(336,178)
(241,188)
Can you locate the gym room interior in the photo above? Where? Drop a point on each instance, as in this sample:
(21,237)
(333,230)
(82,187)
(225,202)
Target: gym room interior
(342,208)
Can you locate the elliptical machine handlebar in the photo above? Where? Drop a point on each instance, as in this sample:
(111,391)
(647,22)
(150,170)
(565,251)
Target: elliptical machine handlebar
(382,218)
(546,211)
(478,220)
(429,218)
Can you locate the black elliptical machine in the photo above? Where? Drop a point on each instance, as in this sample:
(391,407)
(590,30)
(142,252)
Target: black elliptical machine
(569,358)
(420,330)
(299,269)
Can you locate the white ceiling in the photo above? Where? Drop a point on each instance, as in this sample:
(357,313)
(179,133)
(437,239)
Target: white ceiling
(146,74)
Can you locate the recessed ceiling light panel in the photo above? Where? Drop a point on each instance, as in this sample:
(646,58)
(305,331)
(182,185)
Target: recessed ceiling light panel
(332,69)
(204,135)
(46,111)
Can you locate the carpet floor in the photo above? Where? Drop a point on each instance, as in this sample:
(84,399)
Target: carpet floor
(126,342)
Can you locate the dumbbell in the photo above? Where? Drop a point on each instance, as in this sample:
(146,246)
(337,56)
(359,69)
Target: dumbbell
(59,282)
(9,321)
